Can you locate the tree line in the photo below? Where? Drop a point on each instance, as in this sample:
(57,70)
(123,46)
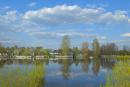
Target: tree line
(96,51)
(66,49)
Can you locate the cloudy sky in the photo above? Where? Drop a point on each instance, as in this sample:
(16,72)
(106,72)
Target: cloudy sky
(45,22)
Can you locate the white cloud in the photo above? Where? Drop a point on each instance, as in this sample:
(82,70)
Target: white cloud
(101,37)
(126,35)
(37,22)
(121,41)
(8,21)
(9,42)
(70,34)
(9,16)
(32,4)
(8,39)
(129,20)
(64,14)
(6,8)
(60,34)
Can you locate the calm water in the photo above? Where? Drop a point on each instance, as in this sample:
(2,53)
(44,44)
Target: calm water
(66,73)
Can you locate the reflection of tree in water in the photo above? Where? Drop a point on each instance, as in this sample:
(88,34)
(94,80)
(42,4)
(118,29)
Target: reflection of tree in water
(2,63)
(47,61)
(76,62)
(107,63)
(85,64)
(65,69)
(96,66)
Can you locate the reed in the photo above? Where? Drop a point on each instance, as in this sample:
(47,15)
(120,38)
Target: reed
(27,77)
(120,76)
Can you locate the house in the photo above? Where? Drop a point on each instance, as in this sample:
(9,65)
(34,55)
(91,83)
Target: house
(55,52)
(57,55)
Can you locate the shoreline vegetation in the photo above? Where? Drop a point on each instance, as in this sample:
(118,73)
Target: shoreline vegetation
(65,57)
(66,50)
(120,76)
(24,77)
(34,77)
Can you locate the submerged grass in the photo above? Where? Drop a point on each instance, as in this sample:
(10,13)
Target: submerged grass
(28,77)
(120,76)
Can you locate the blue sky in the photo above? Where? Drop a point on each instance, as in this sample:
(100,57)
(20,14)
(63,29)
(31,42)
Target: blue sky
(45,22)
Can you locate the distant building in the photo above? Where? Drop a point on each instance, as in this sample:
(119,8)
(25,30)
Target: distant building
(57,55)
(55,52)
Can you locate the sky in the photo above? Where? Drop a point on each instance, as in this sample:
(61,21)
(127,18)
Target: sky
(45,22)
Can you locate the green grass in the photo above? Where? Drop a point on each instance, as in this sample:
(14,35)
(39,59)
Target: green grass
(29,77)
(120,76)
(123,57)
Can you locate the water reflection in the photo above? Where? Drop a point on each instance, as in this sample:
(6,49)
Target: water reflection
(108,64)
(96,66)
(81,72)
(2,63)
(65,68)
(85,64)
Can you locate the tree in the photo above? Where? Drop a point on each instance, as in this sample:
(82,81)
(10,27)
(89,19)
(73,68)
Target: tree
(126,50)
(39,51)
(16,50)
(65,46)
(25,51)
(76,52)
(109,49)
(96,48)
(47,53)
(2,49)
(85,50)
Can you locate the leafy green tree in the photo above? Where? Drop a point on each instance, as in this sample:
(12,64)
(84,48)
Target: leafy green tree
(85,50)
(65,46)
(2,49)
(39,51)
(47,53)
(76,52)
(25,51)
(96,48)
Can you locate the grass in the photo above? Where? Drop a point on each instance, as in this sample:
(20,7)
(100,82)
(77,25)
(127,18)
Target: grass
(29,77)
(123,57)
(120,76)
